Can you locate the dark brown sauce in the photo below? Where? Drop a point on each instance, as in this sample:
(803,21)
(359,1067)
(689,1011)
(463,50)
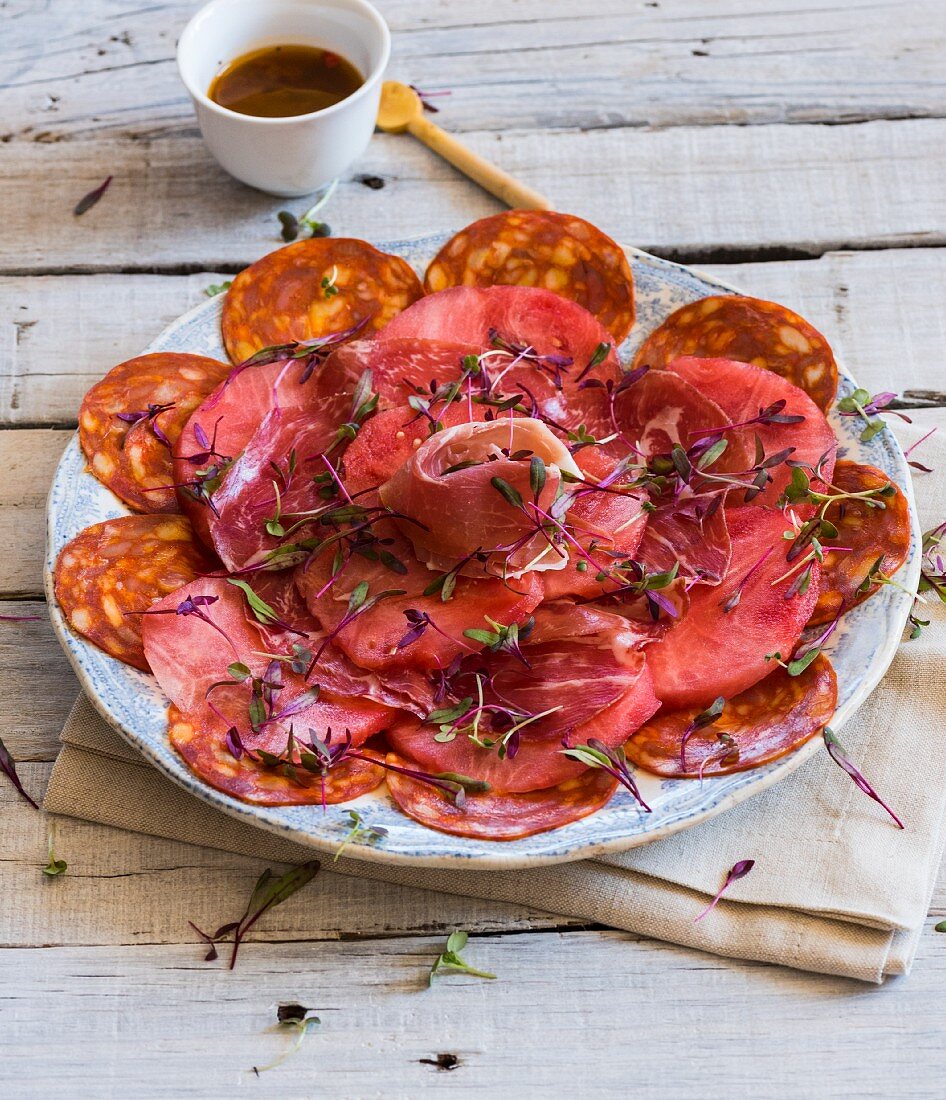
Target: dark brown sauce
(279,81)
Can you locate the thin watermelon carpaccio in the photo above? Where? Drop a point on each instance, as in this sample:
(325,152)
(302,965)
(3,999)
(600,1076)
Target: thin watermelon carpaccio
(539,763)
(743,391)
(719,646)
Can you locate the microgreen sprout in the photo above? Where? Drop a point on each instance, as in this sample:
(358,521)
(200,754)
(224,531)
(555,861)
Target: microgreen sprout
(294,1017)
(840,757)
(270,890)
(292,226)
(8,767)
(360,832)
(55,867)
(596,754)
(861,403)
(89,200)
(450,960)
(700,721)
(218,288)
(739,870)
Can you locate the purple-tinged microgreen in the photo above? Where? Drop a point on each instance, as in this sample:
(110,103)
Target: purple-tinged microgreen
(819,527)
(700,721)
(360,832)
(503,638)
(328,284)
(358,604)
(860,403)
(598,356)
(508,492)
(596,754)
(840,757)
(771,414)
(89,200)
(293,1017)
(739,870)
(150,414)
(932,577)
(426,97)
(580,437)
(218,288)
(20,618)
(270,890)
(262,611)
(919,465)
(450,961)
(55,867)
(806,652)
(8,767)
(418,623)
(551,364)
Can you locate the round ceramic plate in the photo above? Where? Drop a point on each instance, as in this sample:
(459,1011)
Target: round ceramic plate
(861,649)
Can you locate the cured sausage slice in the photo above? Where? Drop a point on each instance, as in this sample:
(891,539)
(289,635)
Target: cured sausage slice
(501,816)
(113,570)
(121,417)
(871,534)
(371,638)
(539,763)
(208,756)
(719,646)
(538,344)
(745,392)
(541,248)
(757,726)
(313,288)
(750,330)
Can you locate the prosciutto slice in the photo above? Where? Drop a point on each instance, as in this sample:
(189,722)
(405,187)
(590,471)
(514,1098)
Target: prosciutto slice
(457,488)
(691,533)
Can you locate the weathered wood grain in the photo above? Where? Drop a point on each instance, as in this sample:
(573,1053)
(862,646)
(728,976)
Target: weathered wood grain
(27,460)
(579,1014)
(524,65)
(131,889)
(696,193)
(882,312)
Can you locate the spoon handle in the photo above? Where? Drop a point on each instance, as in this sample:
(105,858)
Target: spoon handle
(487,175)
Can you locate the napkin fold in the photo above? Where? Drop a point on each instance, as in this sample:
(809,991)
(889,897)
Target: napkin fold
(836,887)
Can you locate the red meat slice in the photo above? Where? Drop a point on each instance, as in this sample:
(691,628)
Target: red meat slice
(711,651)
(743,391)
(390,438)
(759,725)
(539,763)
(691,533)
(400,368)
(498,815)
(221,428)
(521,317)
(371,637)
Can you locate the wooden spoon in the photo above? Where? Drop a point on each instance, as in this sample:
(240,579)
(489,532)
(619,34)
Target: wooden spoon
(401,109)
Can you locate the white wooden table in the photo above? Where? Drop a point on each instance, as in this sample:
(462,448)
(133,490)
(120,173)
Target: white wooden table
(798,149)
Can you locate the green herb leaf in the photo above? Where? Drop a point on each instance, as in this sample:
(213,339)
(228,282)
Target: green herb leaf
(239,671)
(941,927)
(290,225)
(218,288)
(450,960)
(537,475)
(260,608)
(510,494)
(358,596)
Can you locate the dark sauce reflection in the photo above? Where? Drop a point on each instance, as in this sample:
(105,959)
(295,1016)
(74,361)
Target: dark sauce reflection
(280,81)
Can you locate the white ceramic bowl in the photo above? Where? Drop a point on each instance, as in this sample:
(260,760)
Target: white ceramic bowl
(301,153)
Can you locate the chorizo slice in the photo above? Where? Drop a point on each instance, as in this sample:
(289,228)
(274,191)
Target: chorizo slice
(129,421)
(112,571)
(873,534)
(749,330)
(541,248)
(759,725)
(314,288)
(210,758)
(496,816)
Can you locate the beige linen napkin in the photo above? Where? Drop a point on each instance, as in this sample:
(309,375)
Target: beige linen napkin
(836,887)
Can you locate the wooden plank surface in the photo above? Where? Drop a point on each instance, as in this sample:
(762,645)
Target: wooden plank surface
(666,1027)
(534,64)
(802,190)
(859,300)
